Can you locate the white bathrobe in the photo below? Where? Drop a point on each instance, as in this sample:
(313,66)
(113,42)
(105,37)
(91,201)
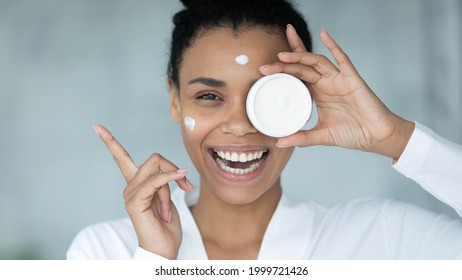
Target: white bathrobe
(360,229)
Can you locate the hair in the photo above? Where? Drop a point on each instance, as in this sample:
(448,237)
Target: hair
(203,15)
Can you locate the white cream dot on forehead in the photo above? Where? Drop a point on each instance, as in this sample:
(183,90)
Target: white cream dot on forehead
(189,122)
(242,59)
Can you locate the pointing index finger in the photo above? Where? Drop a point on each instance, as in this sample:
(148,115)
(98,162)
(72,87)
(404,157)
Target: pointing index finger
(121,156)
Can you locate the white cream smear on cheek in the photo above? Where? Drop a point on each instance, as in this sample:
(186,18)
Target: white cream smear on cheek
(190,123)
(242,59)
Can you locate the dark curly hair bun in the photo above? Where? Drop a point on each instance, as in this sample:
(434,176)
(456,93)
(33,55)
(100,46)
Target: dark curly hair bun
(188,3)
(200,15)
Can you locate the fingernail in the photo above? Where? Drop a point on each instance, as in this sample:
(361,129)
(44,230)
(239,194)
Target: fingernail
(264,67)
(187,186)
(280,145)
(182,170)
(190,186)
(169,216)
(289,25)
(95,128)
(283,54)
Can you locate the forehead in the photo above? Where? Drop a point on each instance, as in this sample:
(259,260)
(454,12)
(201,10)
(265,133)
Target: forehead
(214,52)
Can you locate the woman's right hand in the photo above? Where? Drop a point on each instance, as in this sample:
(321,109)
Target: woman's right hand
(147,197)
(350,115)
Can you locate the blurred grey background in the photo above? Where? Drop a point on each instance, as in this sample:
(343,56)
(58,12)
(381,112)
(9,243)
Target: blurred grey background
(65,65)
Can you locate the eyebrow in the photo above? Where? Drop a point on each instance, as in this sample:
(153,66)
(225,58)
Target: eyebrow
(211,82)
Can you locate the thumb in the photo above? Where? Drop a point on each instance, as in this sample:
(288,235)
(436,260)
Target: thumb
(303,138)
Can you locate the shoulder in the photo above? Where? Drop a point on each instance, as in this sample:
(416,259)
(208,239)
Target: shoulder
(360,207)
(365,206)
(105,240)
(385,218)
(321,232)
(355,214)
(374,210)
(352,215)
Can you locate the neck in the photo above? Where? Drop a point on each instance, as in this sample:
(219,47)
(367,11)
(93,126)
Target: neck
(231,227)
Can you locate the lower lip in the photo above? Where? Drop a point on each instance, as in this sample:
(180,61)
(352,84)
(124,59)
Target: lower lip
(235,177)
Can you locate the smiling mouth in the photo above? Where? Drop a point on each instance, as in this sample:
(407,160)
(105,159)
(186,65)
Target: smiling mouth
(239,163)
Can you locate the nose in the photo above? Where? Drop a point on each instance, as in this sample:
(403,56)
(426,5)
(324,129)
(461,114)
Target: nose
(237,122)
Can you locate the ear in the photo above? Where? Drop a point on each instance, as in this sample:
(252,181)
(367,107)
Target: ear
(175,108)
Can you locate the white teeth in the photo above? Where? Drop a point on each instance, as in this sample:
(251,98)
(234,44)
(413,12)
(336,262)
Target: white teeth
(240,157)
(227,156)
(238,171)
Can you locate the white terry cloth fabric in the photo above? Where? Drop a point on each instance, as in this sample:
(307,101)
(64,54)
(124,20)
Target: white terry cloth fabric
(435,164)
(361,229)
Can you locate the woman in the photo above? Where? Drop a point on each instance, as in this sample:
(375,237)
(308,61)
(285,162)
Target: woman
(241,211)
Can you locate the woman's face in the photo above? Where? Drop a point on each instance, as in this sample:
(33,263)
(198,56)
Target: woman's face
(236,162)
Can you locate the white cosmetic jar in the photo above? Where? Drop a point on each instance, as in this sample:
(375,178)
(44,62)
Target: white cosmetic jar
(279,105)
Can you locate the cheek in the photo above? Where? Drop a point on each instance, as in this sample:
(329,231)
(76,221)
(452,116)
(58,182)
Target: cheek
(195,130)
(189,123)
(197,126)
(283,157)
(287,155)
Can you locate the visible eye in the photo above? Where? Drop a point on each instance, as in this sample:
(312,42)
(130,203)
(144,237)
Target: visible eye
(208,96)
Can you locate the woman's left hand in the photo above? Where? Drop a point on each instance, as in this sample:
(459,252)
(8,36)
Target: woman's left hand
(350,115)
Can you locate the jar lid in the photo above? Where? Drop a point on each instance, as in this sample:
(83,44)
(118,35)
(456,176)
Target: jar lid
(278,105)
